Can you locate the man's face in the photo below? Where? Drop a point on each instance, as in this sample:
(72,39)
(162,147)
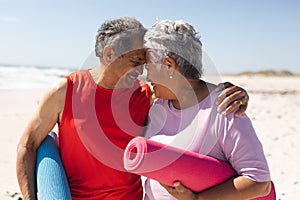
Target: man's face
(127,67)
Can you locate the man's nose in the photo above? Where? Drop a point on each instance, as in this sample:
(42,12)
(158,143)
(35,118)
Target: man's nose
(140,69)
(146,66)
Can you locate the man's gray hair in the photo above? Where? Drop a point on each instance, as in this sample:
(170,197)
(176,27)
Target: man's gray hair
(180,41)
(119,34)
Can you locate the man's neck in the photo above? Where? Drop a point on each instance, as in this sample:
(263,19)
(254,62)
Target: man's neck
(103,78)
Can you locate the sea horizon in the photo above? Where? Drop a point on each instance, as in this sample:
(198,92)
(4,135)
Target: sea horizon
(16,76)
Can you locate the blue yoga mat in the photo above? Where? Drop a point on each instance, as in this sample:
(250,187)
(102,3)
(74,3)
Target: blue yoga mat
(51,178)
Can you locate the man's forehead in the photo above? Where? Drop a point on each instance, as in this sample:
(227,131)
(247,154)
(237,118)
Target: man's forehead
(136,54)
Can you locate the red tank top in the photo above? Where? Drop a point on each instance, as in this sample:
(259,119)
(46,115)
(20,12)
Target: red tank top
(95,128)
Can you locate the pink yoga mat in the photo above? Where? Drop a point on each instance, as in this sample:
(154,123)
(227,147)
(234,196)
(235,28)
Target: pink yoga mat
(168,164)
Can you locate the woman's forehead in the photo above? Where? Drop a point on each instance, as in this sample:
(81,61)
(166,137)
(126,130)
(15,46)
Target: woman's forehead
(154,55)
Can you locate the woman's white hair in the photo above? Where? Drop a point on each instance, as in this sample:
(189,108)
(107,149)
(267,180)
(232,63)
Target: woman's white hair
(180,41)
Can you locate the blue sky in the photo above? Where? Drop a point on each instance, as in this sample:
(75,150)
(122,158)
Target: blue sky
(237,35)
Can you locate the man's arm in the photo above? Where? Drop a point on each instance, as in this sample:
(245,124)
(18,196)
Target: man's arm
(231,98)
(45,118)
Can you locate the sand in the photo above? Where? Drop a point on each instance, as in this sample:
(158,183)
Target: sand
(273,107)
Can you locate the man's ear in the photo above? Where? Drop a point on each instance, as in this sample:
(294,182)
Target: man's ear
(108,54)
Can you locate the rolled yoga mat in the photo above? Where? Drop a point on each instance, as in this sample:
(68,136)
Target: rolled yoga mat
(168,164)
(50,174)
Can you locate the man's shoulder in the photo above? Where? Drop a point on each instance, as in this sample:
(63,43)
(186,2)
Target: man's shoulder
(75,74)
(57,92)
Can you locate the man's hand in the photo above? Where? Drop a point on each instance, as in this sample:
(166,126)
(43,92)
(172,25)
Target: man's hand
(231,98)
(180,192)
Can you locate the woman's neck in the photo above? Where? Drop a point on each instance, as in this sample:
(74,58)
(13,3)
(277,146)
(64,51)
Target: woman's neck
(193,94)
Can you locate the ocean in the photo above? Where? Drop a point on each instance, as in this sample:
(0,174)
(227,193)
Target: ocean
(21,77)
(30,77)
(42,77)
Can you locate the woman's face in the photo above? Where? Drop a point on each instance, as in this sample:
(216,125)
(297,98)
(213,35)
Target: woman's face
(158,75)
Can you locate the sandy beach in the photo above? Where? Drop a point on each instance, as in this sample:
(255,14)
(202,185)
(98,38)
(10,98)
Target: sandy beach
(273,107)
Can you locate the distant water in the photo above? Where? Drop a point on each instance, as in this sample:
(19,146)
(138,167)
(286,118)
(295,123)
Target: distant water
(30,77)
(40,77)
(35,77)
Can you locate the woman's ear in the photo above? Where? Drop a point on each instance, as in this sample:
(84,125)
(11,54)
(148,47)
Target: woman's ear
(108,54)
(171,64)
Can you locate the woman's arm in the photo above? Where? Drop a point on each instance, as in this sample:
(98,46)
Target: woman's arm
(243,150)
(238,188)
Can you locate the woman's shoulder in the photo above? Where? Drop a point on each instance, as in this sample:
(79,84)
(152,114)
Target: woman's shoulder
(159,101)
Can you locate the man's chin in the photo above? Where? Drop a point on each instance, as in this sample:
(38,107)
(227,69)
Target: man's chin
(129,83)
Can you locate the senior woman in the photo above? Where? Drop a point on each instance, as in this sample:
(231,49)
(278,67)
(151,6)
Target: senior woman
(174,66)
